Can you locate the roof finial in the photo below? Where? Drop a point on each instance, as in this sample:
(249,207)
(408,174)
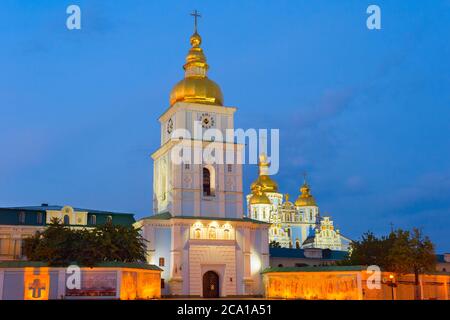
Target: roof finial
(196,15)
(304,177)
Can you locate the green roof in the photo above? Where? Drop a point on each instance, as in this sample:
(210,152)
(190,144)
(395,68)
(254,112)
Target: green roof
(37,264)
(10,216)
(167,216)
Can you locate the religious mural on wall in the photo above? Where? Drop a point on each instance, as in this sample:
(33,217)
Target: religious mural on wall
(312,286)
(95,284)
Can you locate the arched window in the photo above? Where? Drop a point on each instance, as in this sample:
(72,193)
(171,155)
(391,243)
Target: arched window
(109,219)
(197,233)
(206,182)
(226,234)
(297,244)
(161,262)
(66,219)
(212,233)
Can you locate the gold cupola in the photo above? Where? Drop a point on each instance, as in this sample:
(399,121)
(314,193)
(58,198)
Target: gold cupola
(305,198)
(264,180)
(196,87)
(258,196)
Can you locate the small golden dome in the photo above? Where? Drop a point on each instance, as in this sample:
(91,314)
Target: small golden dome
(305,199)
(196,87)
(259,197)
(264,180)
(287,203)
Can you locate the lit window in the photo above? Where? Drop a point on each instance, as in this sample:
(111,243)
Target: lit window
(109,219)
(226,234)
(197,234)
(161,262)
(212,233)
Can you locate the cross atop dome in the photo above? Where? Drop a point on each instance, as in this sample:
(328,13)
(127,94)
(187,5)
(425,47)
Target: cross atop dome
(196,15)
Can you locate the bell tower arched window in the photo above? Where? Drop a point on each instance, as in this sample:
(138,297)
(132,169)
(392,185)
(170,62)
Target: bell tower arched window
(206,182)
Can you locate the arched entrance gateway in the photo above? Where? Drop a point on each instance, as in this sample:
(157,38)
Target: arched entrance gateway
(210,285)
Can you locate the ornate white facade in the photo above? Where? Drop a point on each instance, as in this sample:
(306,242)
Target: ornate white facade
(293,225)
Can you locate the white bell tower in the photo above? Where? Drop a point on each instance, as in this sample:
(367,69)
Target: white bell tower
(196,186)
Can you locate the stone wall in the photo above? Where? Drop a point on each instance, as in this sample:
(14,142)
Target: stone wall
(351,285)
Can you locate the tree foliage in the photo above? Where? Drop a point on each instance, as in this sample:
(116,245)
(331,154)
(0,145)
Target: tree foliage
(274,244)
(60,245)
(401,252)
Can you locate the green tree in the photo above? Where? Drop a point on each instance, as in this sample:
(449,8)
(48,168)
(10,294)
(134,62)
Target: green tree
(370,250)
(400,252)
(274,244)
(60,245)
(411,252)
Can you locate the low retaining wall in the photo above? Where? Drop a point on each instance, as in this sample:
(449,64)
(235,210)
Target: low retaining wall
(36,281)
(350,283)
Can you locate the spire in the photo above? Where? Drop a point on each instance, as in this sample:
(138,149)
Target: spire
(195,65)
(196,87)
(305,198)
(263,164)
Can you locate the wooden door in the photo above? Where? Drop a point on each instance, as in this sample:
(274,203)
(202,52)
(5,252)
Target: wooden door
(210,285)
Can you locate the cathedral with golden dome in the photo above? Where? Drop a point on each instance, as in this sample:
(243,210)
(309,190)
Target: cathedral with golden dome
(293,225)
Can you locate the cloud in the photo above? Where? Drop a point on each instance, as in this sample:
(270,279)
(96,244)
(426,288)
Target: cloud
(21,148)
(330,105)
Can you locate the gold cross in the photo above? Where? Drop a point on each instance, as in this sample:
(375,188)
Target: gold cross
(196,15)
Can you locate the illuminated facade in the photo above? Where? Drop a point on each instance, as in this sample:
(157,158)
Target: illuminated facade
(293,225)
(198,233)
(351,283)
(23,280)
(18,223)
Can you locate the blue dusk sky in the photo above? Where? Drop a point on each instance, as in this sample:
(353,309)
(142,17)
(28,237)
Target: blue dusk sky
(366,113)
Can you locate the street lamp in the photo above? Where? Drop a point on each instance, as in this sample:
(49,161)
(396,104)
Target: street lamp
(391,283)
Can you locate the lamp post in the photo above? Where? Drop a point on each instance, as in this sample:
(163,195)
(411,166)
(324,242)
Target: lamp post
(391,283)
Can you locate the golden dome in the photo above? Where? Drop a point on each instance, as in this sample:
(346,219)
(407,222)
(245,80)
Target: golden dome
(197,90)
(264,180)
(305,199)
(266,183)
(196,87)
(287,203)
(259,197)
